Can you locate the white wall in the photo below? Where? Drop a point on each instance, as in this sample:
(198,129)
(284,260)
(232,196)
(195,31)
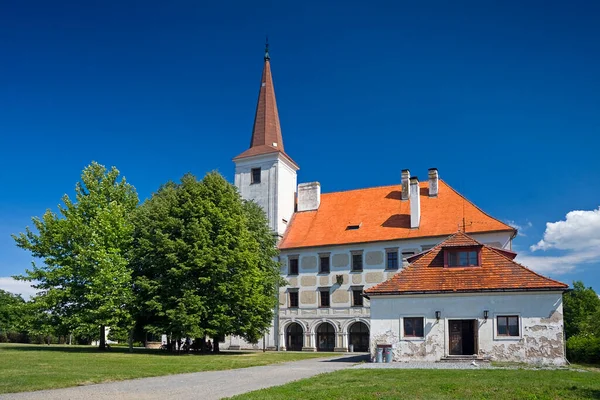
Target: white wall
(541,325)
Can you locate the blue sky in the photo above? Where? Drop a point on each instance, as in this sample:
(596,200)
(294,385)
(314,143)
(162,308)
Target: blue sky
(502,97)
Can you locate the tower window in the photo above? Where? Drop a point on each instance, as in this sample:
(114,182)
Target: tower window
(255,175)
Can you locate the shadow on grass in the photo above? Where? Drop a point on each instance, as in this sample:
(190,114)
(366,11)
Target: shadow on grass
(354,358)
(115,350)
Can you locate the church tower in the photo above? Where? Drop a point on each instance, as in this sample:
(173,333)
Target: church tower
(265,173)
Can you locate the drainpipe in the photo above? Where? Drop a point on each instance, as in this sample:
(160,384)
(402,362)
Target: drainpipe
(276,319)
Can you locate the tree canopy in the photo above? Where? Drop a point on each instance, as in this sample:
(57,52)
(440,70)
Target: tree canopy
(204,261)
(85,280)
(581,308)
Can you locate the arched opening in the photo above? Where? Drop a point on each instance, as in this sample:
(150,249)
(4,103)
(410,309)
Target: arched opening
(325,337)
(359,336)
(294,337)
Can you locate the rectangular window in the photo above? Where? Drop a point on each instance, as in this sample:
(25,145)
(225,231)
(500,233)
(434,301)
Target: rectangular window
(255,178)
(324,302)
(413,327)
(392,259)
(324,264)
(357,261)
(463,258)
(293,299)
(508,325)
(357,298)
(293,266)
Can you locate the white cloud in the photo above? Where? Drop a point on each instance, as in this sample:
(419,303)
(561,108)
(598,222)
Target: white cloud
(520,228)
(580,230)
(577,238)
(17,287)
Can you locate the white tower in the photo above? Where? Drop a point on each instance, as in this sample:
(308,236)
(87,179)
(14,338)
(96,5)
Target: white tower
(265,173)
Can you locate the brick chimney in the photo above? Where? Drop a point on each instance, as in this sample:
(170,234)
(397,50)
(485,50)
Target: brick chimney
(405,184)
(433,182)
(309,196)
(415,203)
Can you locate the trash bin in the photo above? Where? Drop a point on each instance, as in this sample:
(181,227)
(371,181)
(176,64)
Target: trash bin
(387,354)
(379,358)
(351,348)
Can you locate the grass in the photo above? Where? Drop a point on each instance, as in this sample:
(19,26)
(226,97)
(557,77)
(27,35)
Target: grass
(367,384)
(36,367)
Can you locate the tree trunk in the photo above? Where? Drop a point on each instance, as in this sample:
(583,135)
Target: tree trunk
(216,345)
(102,341)
(130,340)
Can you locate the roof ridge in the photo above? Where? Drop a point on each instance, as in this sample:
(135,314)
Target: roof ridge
(357,189)
(477,207)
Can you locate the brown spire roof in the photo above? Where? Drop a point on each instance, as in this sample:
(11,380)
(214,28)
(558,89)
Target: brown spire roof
(266,134)
(498,272)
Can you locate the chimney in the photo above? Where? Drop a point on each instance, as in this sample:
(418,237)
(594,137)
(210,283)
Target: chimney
(405,184)
(309,196)
(433,182)
(415,203)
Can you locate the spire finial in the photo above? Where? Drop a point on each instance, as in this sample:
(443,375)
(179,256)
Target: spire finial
(267,58)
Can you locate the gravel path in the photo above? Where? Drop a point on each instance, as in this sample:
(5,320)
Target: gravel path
(427,365)
(199,385)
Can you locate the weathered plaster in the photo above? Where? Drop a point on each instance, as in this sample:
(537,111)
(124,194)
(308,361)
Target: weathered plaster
(340,296)
(309,262)
(356,279)
(308,280)
(293,281)
(324,280)
(374,277)
(340,260)
(308,297)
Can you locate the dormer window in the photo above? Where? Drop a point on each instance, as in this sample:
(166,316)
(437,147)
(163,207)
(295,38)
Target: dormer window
(462,258)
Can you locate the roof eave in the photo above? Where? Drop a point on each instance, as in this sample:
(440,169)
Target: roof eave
(398,293)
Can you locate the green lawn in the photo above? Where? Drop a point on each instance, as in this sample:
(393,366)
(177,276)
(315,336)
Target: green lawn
(34,367)
(439,384)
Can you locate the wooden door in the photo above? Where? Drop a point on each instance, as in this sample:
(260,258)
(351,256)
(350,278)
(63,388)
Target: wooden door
(455,337)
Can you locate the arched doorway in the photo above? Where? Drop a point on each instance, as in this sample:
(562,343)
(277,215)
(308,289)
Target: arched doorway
(294,337)
(359,336)
(325,337)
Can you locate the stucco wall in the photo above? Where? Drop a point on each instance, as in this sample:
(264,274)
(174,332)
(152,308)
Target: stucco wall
(540,323)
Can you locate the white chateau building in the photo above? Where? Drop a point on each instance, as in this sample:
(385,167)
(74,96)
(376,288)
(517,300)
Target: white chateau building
(335,246)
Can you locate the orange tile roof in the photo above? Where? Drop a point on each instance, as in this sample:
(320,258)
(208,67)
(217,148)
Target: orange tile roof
(426,273)
(383,216)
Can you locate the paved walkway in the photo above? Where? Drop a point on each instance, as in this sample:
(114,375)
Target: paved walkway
(200,385)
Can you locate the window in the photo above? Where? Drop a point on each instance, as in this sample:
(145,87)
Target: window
(357,261)
(324,263)
(508,325)
(324,297)
(392,259)
(293,299)
(255,178)
(413,327)
(357,298)
(293,268)
(467,258)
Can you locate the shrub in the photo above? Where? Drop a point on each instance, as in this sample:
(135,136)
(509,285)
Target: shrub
(3,337)
(583,349)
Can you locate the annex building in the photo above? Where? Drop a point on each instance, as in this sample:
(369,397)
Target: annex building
(388,265)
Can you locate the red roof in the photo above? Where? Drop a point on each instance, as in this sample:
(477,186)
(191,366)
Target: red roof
(266,134)
(497,272)
(382,215)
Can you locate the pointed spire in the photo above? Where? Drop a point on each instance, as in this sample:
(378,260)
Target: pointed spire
(266,134)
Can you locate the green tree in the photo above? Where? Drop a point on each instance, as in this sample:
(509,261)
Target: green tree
(11,314)
(204,261)
(579,306)
(84,280)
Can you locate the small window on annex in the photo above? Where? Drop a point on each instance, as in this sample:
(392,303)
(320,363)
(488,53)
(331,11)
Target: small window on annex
(293,265)
(324,263)
(391,259)
(357,261)
(293,299)
(413,327)
(255,178)
(357,297)
(507,325)
(324,297)
(464,258)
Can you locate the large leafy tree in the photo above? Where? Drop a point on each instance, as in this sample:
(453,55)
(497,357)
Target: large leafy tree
(84,281)
(581,309)
(204,261)
(11,312)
